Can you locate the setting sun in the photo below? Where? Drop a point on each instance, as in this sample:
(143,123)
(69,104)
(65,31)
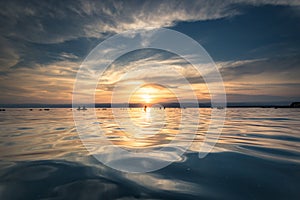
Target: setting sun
(151,94)
(146,98)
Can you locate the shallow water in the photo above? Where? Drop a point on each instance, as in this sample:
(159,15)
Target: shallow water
(257,155)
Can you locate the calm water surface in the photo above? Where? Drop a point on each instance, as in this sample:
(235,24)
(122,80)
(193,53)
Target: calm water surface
(257,156)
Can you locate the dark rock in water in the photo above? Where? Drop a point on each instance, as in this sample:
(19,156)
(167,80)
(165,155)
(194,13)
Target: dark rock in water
(2,109)
(30,109)
(47,109)
(295,105)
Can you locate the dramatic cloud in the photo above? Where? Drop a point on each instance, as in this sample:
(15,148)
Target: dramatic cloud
(58,21)
(51,84)
(281,68)
(8,55)
(42,44)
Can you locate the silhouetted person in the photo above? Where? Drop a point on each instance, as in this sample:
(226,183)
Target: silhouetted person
(145,108)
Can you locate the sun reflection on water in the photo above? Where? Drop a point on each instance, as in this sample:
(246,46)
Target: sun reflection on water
(33,135)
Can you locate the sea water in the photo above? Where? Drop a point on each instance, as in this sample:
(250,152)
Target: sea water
(42,155)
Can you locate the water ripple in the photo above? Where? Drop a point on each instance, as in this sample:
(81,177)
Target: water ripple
(42,156)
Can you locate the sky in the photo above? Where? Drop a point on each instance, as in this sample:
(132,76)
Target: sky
(255,45)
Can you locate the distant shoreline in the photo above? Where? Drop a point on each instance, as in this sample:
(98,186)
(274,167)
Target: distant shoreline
(167,105)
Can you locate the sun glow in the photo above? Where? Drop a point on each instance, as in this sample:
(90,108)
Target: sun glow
(146,97)
(151,94)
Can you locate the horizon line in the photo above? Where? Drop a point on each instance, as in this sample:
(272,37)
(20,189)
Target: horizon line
(137,105)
